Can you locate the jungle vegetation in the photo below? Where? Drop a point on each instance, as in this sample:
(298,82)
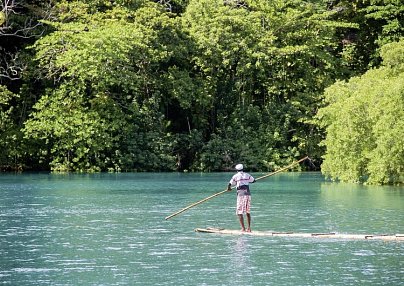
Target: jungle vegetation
(200,85)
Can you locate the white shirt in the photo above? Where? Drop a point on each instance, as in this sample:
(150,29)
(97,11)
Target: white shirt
(242,180)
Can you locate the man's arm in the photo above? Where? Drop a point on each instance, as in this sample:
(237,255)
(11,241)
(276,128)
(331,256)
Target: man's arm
(253,179)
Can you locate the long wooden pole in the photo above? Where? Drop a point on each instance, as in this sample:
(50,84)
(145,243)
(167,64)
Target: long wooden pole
(225,191)
(283,169)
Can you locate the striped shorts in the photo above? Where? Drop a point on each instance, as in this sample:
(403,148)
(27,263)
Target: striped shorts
(243,204)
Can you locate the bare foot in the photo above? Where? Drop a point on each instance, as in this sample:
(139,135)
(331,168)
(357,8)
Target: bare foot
(243,229)
(248,229)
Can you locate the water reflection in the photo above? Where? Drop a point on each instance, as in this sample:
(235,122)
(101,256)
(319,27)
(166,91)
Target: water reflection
(363,209)
(240,257)
(240,250)
(109,229)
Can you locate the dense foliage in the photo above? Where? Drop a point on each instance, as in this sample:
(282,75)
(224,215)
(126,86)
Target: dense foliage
(364,120)
(96,85)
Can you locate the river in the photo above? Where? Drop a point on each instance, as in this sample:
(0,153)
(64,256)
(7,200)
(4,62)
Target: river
(109,229)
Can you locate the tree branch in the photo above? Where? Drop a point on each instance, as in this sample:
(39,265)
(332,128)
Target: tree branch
(13,10)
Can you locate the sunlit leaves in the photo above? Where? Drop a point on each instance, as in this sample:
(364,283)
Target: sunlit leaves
(98,116)
(364,124)
(5,107)
(273,55)
(201,84)
(74,133)
(9,134)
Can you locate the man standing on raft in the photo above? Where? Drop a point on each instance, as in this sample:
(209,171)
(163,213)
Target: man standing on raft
(242,180)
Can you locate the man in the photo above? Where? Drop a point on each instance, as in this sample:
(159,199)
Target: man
(242,180)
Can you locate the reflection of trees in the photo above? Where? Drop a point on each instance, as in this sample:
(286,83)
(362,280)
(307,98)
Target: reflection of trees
(360,209)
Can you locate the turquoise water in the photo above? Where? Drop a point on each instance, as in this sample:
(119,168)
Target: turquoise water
(109,229)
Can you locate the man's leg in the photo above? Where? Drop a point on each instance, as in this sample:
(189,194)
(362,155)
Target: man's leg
(241,219)
(248,222)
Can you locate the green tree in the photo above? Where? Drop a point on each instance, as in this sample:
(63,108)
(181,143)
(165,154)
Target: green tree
(364,122)
(178,84)
(20,26)
(268,58)
(379,22)
(104,102)
(7,129)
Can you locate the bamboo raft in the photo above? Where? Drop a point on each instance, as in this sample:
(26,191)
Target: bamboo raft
(331,235)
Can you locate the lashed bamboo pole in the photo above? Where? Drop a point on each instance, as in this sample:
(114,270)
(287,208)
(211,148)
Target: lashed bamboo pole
(330,235)
(225,191)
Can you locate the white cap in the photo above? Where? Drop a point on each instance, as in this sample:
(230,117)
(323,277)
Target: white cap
(239,167)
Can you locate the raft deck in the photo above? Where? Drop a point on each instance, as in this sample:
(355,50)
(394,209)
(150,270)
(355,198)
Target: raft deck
(331,235)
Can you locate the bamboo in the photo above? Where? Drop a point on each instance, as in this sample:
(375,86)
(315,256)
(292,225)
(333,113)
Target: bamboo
(283,169)
(225,191)
(331,235)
